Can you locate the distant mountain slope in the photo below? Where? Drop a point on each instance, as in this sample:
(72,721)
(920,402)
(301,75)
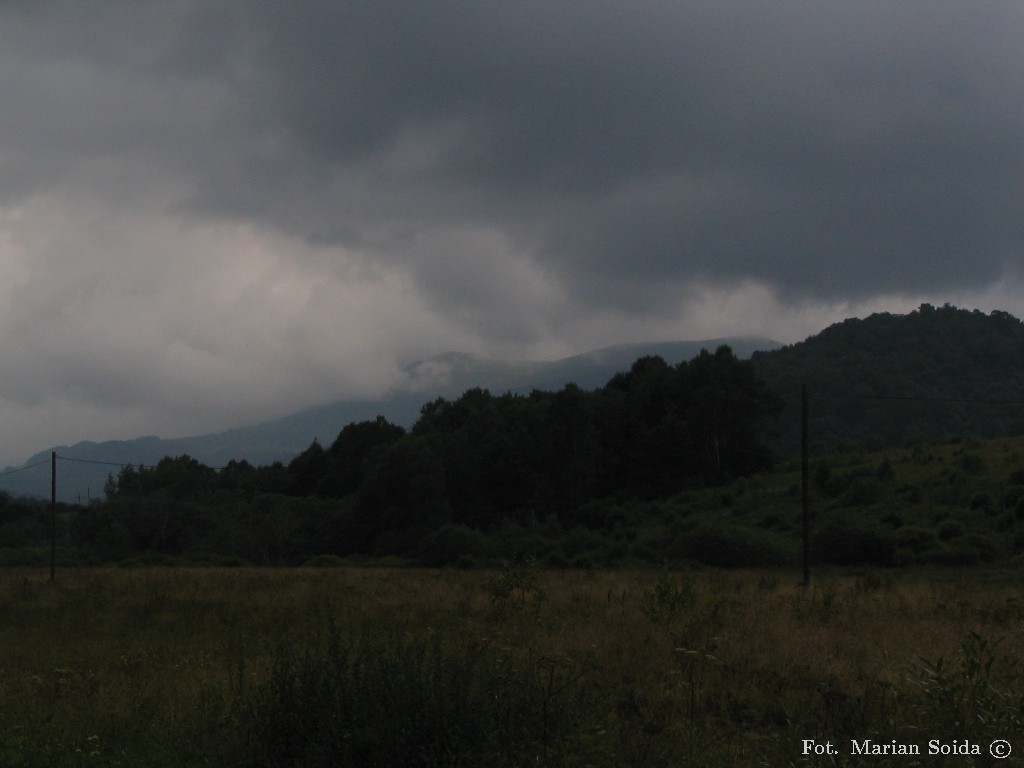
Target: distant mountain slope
(449,375)
(889,378)
(884,379)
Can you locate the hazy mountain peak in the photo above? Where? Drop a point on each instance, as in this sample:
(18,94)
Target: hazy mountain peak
(439,370)
(445,375)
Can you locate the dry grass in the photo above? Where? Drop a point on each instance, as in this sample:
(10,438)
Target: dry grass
(160,667)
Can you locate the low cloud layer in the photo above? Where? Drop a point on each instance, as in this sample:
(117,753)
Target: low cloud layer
(214,212)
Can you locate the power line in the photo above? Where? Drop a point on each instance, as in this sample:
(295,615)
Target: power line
(106,463)
(123,464)
(22,469)
(920,398)
(907,398)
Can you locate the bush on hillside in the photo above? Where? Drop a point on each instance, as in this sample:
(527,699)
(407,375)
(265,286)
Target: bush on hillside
(730,546)
(842,542)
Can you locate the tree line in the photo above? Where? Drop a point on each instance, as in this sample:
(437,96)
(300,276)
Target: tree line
(469,472)
(650,467)
(949,371)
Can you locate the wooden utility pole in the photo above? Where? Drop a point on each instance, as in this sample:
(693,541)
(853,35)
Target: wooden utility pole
(53,515)
(804,485)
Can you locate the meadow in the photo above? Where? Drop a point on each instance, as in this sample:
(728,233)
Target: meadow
(512,666)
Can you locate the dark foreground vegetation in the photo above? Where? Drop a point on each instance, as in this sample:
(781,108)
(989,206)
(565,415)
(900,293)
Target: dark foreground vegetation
(666,463)
(603,609)
(514,666)
(474,479)
(957,503)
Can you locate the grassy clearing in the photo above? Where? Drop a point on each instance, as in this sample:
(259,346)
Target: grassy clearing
(251,667)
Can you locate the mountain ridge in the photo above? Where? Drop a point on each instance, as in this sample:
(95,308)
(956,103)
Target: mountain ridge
(935,372)
(85,465)
(886,379)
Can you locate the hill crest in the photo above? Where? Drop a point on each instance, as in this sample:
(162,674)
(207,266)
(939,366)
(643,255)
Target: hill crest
(281,439)
(888,378)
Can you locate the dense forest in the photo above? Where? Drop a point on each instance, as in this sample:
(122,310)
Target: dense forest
(469,470)
(691,461)
(934,373)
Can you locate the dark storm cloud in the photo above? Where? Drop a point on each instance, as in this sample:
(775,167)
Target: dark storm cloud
(834,150)
(211,208)
(838,150)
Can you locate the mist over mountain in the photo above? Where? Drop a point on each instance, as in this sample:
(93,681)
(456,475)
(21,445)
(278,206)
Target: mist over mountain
(882,380)
(83,468)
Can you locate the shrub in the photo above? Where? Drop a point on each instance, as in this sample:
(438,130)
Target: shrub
(950,529)
(514,541)
(885,470)
(841,542)
(952,555)
(1012,500)
(453,545)
(775,520)
(972,463)
(988,548)
(913,494)
(982,501)
(580,541)
(914,538)
(517,580)
(10,556)
(668,599)
(326,561)
(728,545)
(148,559)
(864,491)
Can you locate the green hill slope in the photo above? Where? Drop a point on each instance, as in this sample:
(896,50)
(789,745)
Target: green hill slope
(887,379)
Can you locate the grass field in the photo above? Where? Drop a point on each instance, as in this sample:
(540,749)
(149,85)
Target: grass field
(509,667)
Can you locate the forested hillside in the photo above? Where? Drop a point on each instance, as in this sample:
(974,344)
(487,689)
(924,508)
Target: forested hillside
(447,375)
(472,471)
(886,379)
(666,462)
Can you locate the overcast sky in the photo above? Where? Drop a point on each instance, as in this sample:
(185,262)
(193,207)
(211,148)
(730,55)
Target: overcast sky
(213,213)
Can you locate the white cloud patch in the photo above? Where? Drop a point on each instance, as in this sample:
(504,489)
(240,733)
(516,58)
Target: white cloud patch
(189,327)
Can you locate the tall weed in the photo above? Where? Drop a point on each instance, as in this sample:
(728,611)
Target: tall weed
(667,600)
(390,697)
(978,696)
